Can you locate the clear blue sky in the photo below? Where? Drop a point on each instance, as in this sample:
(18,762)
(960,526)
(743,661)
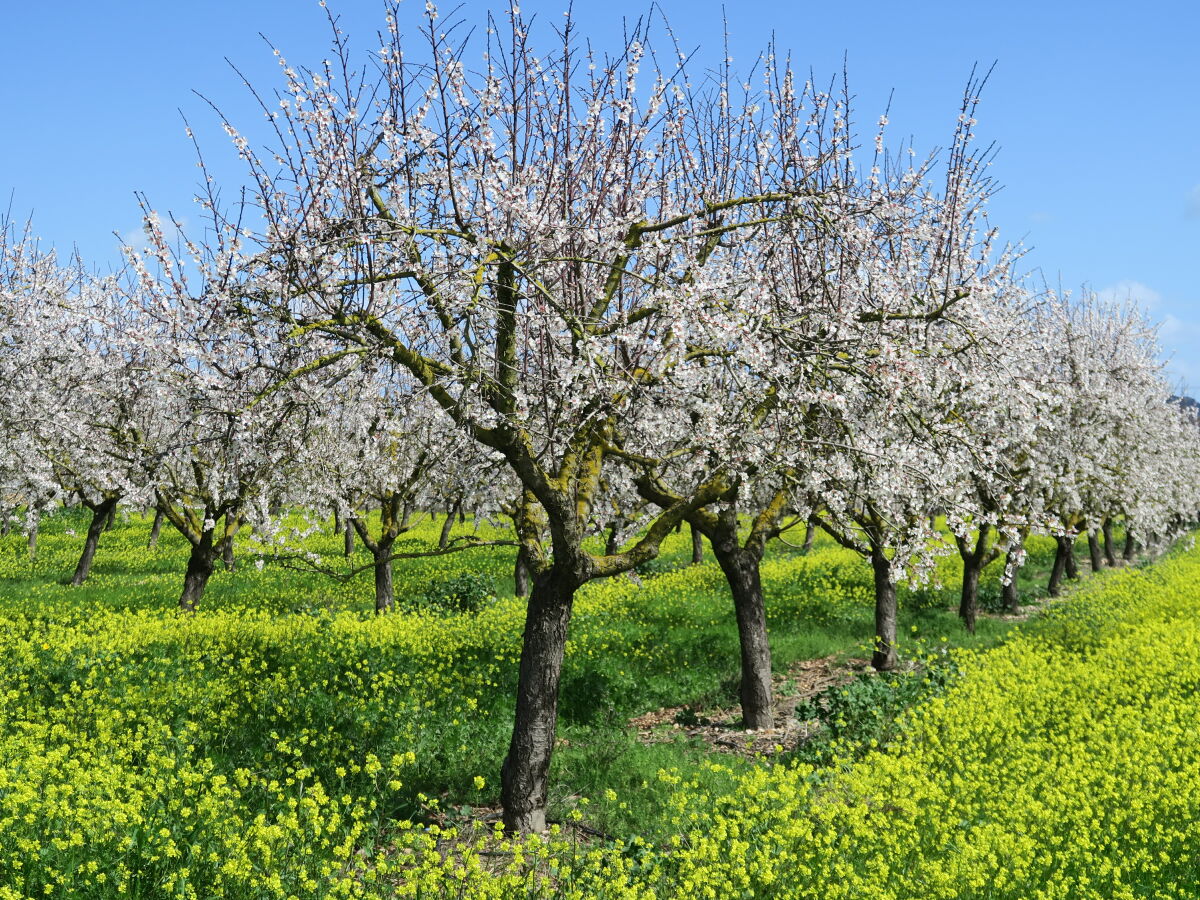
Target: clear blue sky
(1095,107)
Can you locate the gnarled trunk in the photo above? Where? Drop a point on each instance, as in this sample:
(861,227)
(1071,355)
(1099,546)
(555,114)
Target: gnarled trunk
(101,513)
(884,658)
(200,567)
(697,546)
(1063,553)
(155,529)
(741,568)
(526,769)
(1110,554)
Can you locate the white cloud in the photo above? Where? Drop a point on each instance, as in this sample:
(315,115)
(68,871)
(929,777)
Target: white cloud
(1143,295)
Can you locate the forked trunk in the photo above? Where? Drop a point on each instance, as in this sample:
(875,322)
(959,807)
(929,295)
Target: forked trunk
(200,567)
(1110,554)
(973,560)
(1094,556)
(741,568)
(1062,553)
(521,574)
(697,546)
(884,658)
(155,529)
(526,769)
(406,515)
(100,516)
(111,518)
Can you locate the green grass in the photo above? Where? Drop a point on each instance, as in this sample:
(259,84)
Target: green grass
(287,681)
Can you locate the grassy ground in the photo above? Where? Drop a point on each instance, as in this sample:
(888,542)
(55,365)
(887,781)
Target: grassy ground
(285,687)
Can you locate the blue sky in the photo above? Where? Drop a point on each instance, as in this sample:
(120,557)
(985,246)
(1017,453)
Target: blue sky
(1095,108)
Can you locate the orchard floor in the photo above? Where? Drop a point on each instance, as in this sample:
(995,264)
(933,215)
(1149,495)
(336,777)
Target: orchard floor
(286,742)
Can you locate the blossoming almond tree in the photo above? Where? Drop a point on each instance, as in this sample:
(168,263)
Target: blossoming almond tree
(536,245)
(219,443)
(376,442)
(74,392)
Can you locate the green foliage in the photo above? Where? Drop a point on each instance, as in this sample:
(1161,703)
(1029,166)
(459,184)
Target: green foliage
(869,712)
(466,592)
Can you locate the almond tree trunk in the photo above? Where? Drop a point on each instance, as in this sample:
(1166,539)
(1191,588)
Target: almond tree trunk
(1110,555)
(33,537)
(741,568)
(521,573)
(1072,564)
(101,513)
(973,560)
(523,778)
(1062,553)
(1008,591)
(1130,544)
(968,604)
(201,563)
(884,658)
(385,593)
(448,525)
(611,543)
(1094,556)
(155,529)
(810,534)
(697,546)
(348,539)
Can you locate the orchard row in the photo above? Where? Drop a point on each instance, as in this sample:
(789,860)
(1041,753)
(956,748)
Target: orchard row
(588,294)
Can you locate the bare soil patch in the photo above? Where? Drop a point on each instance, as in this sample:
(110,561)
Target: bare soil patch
(721,728)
